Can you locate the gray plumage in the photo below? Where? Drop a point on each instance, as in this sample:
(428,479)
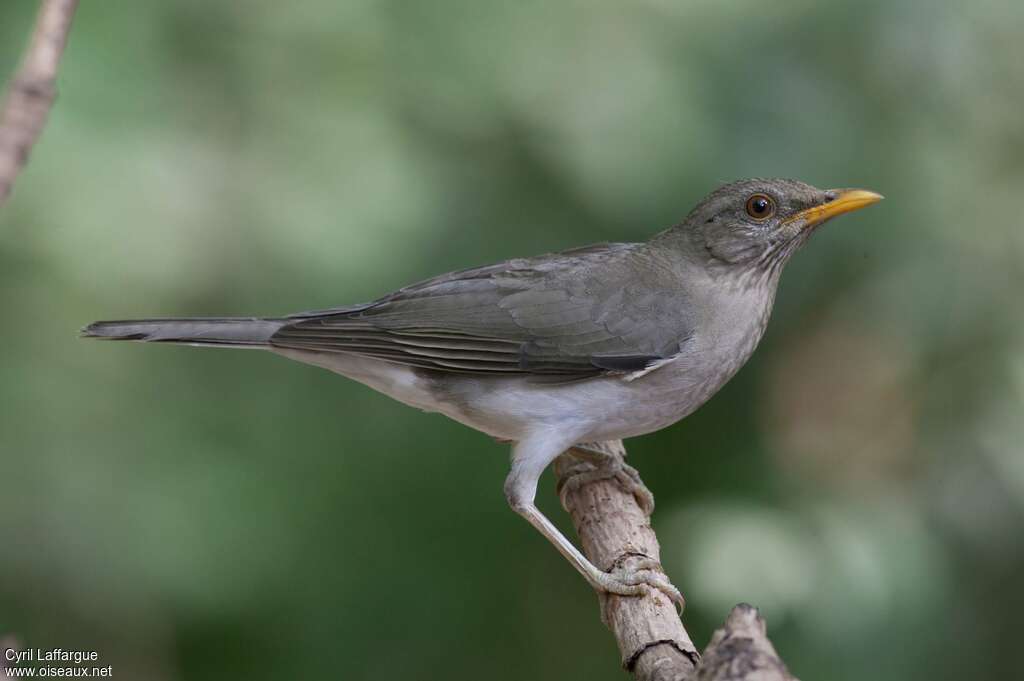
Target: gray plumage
(566,314)
(229,331)
(590,344)
(682,312)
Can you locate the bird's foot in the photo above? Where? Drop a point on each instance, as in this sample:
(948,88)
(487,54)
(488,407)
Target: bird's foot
(604,461)
(639,576)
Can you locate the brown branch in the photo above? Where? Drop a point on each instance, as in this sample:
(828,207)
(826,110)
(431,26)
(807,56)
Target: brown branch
(615,530)
(32,90)
(741,651)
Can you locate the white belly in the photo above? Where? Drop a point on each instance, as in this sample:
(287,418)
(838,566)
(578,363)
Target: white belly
(605,408)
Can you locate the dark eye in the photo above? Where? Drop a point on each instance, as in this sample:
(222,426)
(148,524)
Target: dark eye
(760,206)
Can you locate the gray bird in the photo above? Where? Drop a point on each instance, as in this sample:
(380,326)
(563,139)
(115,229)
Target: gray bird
(592,344)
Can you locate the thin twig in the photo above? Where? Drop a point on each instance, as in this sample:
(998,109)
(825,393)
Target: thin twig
(32,90)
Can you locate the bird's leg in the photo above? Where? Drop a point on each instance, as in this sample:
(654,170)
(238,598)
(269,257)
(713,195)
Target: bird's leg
(529,459)
(603,461)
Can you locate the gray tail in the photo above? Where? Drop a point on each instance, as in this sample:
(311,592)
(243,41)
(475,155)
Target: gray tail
(232,332)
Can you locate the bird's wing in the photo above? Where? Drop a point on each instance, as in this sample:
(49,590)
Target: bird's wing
(607,308)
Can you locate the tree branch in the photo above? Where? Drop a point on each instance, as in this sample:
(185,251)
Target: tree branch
(614,530)
(32,90)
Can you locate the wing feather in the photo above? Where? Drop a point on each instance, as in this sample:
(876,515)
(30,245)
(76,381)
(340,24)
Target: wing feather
(603,309)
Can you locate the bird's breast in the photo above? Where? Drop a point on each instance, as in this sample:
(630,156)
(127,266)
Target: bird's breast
(721,344)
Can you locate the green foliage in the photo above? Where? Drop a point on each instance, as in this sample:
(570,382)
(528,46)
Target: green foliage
(208,514)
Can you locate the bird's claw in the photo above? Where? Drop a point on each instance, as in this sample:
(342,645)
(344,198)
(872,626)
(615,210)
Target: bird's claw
(597,464)
(639,577)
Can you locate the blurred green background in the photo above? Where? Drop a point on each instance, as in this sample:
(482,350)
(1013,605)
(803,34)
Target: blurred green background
(204,514)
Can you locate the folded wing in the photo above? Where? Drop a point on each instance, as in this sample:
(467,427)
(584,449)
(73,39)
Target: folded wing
(572,315)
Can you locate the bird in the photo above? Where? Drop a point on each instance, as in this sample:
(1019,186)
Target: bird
(587,345)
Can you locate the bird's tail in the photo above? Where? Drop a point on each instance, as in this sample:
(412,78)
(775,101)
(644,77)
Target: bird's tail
(231,332)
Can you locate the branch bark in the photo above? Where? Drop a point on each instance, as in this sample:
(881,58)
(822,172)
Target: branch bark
(32,90)
(741,650)
(614,529)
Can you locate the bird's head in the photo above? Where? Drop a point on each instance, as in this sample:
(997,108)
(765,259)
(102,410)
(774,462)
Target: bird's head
(757,224)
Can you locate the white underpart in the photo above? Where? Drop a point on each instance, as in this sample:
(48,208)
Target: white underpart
(397,381)
(516,408)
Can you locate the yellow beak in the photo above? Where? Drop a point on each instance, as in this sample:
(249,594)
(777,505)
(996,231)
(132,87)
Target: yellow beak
(846,200)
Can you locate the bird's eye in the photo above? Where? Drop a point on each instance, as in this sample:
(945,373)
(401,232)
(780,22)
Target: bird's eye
(760,206)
